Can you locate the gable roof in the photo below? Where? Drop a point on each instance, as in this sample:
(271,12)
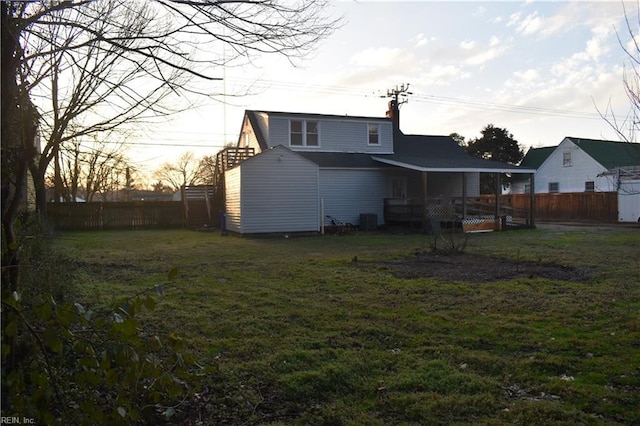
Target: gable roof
(536,156)
(439,154)
(416,152)
(610,154)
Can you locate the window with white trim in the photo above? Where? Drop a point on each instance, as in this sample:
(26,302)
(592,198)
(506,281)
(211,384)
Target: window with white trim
(554,187)
(303,133)
(589,186)
(527,188)
(374,134)
(566,159)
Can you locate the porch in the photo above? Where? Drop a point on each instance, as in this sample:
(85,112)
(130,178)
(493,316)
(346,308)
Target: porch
(468,214)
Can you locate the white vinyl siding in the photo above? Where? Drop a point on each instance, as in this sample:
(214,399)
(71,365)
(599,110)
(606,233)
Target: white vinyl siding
(629,201)
(232,199)
(334,135)
(248,137)
(571,179)
(278,193)
(348,193)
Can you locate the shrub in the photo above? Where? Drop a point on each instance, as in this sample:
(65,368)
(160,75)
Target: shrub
(64,363)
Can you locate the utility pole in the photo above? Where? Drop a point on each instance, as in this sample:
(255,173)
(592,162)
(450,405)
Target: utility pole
(398,93)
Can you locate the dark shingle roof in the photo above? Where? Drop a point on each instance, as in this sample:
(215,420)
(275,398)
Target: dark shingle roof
(609,153)
(438,153)
(341,159)
(317,116)
(418,152)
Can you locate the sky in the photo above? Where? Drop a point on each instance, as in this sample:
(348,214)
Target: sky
(539,69)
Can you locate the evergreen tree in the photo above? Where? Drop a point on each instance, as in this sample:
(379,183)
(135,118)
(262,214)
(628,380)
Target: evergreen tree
(495,144)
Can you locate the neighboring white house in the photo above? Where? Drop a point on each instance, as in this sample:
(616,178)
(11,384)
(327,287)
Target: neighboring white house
(587,165)
(308,167)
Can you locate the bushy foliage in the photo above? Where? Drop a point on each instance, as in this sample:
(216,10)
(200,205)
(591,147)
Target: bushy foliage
(63,362)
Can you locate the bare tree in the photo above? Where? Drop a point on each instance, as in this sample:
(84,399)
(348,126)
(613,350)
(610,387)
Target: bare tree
(92,172)
(626,127)
(103,64)
(184,171)
(206,170)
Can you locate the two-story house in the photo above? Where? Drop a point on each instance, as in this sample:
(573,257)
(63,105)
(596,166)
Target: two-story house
(308,167)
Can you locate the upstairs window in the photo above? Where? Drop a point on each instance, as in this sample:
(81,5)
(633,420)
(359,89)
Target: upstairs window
(296,132)
(303,133)
(554,187)
(374,134)
(566,159)
(312,133)
(589,186)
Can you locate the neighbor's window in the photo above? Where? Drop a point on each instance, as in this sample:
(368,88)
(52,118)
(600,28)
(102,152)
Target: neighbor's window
(566,159)
(589,186)
(374,134)
(527,188)
(304,133)
(553,187)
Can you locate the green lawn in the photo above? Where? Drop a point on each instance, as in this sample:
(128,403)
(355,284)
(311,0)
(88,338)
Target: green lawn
(298,333)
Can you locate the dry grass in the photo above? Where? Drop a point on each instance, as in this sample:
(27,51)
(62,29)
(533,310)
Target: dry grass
(322,330)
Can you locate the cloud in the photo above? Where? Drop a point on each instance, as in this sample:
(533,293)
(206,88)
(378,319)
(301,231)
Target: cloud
(382,57)
(443,75)
(484,55)
(514,19)
(529,75)
(468,44)
(531,24)
(421,40)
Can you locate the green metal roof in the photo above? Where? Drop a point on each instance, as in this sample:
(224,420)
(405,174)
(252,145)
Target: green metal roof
(609,153)
(536,156)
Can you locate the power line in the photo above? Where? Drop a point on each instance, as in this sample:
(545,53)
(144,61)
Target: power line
(421,97)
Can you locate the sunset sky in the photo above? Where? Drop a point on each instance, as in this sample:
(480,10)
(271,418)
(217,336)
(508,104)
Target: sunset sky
(538,69)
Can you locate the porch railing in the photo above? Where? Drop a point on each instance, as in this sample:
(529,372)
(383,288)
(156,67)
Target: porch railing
(414,211)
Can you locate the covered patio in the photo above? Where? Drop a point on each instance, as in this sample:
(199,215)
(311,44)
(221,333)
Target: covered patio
(442,164)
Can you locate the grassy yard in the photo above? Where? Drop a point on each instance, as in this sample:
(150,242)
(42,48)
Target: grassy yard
(324,330)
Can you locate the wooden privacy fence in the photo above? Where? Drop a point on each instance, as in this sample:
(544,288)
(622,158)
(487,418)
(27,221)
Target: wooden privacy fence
(116,215)
(572,206)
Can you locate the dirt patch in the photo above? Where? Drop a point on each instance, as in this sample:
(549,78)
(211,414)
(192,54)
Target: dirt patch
(475,268)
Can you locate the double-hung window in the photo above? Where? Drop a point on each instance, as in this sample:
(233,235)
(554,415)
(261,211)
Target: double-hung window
(566,159)
(589,186)
(554,187)
(303,133)
(374,134)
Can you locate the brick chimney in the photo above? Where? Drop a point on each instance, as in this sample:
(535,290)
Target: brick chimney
(394,114)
